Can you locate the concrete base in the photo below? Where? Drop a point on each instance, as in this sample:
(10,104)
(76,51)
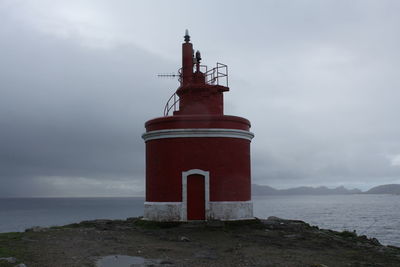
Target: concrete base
(231,210)
(162,211)
(218,210)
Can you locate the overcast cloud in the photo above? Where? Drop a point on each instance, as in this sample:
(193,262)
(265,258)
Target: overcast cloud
(319,80)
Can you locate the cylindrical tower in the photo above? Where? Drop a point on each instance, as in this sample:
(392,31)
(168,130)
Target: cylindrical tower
(198,159)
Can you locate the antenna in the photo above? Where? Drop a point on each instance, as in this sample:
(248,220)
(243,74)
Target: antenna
(167,75)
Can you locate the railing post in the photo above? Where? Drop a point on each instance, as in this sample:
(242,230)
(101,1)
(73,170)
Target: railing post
(174,102)
(226,67)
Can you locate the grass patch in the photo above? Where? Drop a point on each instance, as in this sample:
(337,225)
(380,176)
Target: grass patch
(91,224)
(84,224)
(347,234)
(11,236)
(16,251)
(72,225)
(12,245)
(5,252)
(4,263)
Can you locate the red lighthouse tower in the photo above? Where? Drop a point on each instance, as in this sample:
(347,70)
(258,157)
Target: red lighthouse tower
(197,158)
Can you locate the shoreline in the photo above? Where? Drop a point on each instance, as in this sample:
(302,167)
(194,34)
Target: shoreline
(270,242)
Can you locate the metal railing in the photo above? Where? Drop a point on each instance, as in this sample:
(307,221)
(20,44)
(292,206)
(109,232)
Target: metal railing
(171,104)
(215,76)
(218,75)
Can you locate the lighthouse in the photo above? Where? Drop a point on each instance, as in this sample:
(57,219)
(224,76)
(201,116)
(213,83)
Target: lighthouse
(197,158)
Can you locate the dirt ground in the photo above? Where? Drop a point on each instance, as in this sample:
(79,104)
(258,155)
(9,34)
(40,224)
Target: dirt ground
(271,242)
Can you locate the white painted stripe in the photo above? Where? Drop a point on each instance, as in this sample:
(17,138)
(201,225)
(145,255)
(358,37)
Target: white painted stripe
(179,203)
(198,132)
(162,203)
(232,202)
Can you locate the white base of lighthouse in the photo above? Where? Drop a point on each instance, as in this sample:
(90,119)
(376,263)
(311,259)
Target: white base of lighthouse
(217,210)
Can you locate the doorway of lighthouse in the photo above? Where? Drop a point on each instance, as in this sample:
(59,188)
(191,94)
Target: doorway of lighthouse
(196,209)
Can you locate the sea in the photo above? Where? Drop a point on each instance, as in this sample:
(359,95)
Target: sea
(371,215)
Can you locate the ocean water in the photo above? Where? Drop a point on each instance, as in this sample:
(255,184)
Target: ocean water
(17,214)
(373,215)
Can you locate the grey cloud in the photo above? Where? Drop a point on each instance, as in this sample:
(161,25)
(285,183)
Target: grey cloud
(74,112)
(318,80)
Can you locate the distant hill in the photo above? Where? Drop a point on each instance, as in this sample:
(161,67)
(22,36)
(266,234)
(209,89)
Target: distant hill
(263,190)
(385,189)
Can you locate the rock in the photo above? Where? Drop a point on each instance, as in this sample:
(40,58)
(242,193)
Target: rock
(166,262)
(275,223)
(206,254)
(273,218)
(133,219)
(9,259)
(364,237)
(100,224)
(292,236)
(375,241)
(184,239)
(152,263)
(215,223)
(36,229)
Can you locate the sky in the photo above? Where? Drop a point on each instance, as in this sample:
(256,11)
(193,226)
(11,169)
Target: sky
(318,79)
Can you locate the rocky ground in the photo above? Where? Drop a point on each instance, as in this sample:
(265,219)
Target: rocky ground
(271,242)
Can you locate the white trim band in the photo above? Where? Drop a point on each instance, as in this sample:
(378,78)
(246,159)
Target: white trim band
(197,132)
